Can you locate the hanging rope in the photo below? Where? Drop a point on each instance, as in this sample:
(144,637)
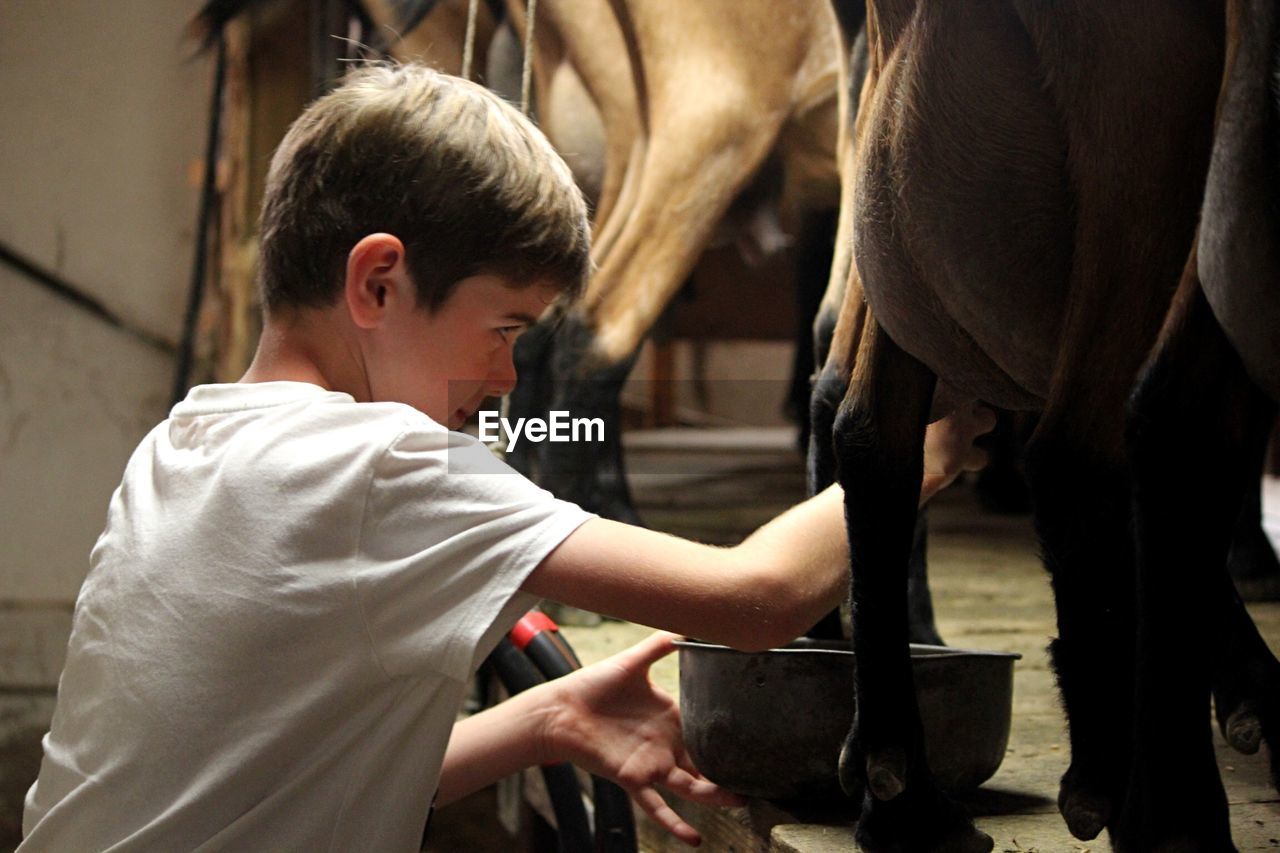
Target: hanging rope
(526,72)
(469,46)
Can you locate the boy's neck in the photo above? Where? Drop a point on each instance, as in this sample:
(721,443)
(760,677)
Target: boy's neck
(307,348)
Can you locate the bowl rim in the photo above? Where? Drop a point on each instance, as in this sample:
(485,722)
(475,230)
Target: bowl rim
(919,651)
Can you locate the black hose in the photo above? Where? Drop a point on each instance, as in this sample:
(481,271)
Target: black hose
(615,825)
(518,674)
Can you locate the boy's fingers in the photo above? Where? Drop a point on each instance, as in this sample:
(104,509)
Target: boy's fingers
(656,807)
(651,649)
(700,786)
(701,790)
(684,762)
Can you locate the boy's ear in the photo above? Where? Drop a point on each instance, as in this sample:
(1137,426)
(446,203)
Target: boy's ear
(377,279)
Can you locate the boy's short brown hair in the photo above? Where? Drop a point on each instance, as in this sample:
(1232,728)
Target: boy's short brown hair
(468,185)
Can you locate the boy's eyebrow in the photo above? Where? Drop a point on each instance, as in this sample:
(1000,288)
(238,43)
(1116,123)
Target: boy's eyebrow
(521,317)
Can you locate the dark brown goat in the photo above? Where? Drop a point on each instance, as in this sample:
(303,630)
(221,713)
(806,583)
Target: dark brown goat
(1027,180)
(1212,383)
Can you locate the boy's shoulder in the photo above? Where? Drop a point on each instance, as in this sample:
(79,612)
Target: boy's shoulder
(305,425)
(301,402)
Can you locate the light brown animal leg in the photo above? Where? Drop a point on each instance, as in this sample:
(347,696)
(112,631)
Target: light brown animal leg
(693,178)
(612,218)
(593,43)
(617,186)
(704,141)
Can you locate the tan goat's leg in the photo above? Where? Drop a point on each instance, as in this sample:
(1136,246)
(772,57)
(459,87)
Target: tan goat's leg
(680,199)
(594,46)
(712,114)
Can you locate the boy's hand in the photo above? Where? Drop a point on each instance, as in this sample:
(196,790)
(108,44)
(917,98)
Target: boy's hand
(612,721)
(949,448)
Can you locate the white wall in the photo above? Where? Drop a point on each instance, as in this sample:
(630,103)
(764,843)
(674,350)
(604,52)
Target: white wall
(104,114)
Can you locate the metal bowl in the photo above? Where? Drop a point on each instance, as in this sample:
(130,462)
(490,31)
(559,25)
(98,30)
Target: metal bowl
(771,724)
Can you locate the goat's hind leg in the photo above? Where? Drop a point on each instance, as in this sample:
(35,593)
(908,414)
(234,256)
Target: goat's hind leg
(1194,404)
(1081,498)
(879,444)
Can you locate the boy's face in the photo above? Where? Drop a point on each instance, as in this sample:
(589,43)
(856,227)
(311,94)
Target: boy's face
(445,363)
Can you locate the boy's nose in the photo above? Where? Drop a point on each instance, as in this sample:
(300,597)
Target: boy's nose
(502,374)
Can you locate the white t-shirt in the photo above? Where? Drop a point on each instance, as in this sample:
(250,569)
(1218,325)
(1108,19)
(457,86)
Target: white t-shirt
(278,626)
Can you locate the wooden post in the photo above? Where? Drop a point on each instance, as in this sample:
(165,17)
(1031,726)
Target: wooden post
(269,80)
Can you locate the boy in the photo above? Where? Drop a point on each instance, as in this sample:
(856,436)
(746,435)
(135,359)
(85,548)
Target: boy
(300,571)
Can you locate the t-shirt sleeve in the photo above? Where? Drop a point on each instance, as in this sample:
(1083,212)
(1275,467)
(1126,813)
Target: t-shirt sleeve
(449,534)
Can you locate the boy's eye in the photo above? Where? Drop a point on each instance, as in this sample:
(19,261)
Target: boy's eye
(509,333)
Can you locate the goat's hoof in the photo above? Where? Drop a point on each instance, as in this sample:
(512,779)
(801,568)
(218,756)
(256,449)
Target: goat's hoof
(887,773)
(1085,812)
(1244,730)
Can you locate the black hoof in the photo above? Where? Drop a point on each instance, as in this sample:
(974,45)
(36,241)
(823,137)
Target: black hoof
(1247,705)
(1243,729)
(887,773)
(1086,811)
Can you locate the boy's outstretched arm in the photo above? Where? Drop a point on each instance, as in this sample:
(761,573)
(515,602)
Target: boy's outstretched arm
(607,718)
(766,591)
